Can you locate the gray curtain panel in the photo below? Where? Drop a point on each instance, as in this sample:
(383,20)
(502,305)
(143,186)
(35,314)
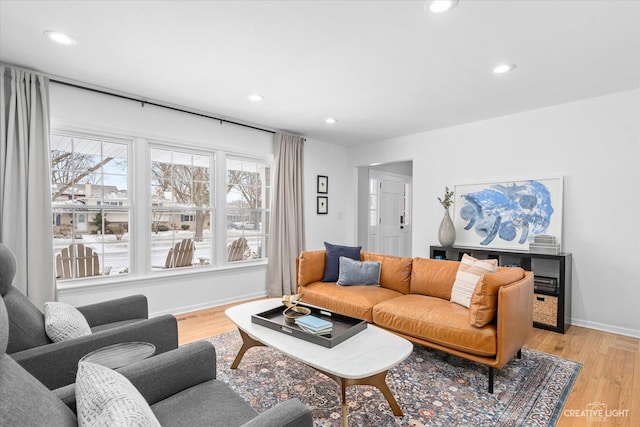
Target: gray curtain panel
(287,215)
(25,193)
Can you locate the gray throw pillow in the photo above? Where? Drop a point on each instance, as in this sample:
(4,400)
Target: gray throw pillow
(64,322)
(358,272)
(106,398)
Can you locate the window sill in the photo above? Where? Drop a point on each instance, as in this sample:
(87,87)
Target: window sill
(128,279)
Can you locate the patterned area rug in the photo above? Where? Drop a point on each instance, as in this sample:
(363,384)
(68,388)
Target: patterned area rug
(432,389)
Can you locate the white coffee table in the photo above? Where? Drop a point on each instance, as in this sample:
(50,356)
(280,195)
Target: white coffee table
(363,359)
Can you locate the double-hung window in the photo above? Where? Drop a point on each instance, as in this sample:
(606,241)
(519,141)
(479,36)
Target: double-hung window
(247,208)
(96,232)
(91,207)
(181,196)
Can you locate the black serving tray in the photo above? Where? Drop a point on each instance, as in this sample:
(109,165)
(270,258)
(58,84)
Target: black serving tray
(344,327)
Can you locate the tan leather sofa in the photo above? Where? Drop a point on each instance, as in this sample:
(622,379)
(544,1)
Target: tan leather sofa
(413,302)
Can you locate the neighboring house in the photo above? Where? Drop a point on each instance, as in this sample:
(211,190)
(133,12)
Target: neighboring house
(87,196)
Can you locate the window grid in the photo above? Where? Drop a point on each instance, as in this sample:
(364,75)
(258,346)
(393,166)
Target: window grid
(180,208)
(90,204)
(91,187)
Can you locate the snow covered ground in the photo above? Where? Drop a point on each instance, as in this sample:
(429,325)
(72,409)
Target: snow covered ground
(114,253)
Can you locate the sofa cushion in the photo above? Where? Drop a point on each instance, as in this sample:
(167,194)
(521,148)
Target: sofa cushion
(484,302)
(211,403)
(104,397)
(469,273)
(358,272)
(63,322)
(395,272)
(310,267)
(436,320)
(332,260)
(355,301)
(433,277)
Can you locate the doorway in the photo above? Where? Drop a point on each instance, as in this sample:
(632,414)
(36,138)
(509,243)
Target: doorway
(384,214)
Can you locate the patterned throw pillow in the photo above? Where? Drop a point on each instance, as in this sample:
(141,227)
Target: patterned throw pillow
(469,272)
(106,398)
(358,272)
(64,322)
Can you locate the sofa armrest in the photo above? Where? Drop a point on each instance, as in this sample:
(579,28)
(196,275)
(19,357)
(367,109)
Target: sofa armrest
(162,376)
(127,308)
(55,365)
(515,318)
(310,267)
(290,413)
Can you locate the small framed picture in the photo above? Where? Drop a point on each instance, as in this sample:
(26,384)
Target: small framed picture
(323,205)
(323,184)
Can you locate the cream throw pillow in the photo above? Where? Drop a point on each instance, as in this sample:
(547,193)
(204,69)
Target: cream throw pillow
(64,322)
(469,273)
(106,398)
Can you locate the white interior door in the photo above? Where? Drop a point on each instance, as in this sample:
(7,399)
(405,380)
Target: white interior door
(390,232)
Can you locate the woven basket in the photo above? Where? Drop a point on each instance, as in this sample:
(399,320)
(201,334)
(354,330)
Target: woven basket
(545,309)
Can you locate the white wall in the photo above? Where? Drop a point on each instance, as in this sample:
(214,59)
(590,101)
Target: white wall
(322,158)
(167,293)
(593,143)
(170,293)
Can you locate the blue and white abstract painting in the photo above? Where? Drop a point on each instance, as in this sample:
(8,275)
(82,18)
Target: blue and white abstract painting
(507,215)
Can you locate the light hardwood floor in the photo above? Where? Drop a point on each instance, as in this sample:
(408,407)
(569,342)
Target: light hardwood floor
(610,371)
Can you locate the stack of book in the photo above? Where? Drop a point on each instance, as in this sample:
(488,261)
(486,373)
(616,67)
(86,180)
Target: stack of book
(545,284)
(544,244)
(314,325)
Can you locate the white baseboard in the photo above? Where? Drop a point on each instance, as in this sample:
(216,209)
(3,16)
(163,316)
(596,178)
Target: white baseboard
(208,304)
(634,333)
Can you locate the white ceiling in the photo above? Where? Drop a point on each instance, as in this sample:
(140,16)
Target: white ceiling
(382,68)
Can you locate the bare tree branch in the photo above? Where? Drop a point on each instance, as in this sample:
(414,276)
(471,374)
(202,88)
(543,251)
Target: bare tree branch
(69,183)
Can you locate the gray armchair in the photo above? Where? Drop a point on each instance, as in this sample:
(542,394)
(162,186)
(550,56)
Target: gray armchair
(179,385)
(55,364)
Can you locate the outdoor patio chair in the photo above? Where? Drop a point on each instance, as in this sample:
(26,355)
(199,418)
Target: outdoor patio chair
(237,249)
(77,258)
(112,322)
(181,255)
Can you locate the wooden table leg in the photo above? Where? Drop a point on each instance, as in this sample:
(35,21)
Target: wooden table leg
(377,380)
(343,390)
(247,343)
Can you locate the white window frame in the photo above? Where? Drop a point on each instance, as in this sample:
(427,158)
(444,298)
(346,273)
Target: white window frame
(210,260)
(103,137)
(139,208)
(263,236)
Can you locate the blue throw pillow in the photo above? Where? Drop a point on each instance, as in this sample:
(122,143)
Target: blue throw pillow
(332,262)
(358,272)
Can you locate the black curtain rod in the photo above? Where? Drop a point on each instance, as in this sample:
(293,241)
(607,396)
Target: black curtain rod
(143,102)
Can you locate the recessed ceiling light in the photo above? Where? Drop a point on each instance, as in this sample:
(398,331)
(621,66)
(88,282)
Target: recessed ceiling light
(59,37)
(503,68)
(330,121)
(255,97)
(439,6)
